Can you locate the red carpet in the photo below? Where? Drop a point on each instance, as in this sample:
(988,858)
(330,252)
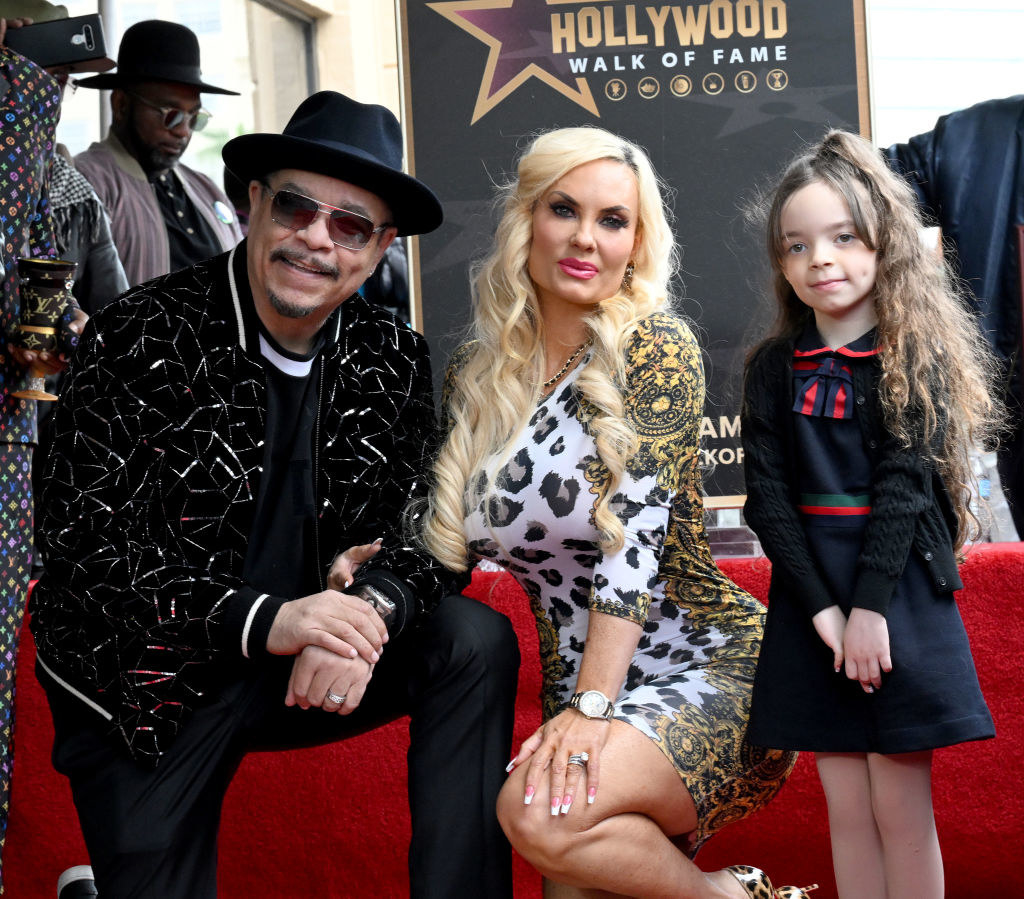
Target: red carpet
(322,823)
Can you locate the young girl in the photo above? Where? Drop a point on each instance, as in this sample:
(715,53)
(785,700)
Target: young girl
(858,414)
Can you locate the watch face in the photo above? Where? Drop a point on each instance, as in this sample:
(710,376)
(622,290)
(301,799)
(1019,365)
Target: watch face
(593,704)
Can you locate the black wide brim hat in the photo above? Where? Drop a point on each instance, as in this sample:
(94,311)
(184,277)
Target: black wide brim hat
(333,135)
(155,50)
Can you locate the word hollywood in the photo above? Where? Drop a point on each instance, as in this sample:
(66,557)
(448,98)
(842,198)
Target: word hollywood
(636,25)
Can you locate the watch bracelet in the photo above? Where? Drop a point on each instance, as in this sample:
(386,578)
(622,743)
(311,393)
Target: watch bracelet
(575,703)
(382,604)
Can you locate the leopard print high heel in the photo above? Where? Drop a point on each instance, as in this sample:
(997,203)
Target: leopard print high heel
(795,892)
(758,886)
(754,881)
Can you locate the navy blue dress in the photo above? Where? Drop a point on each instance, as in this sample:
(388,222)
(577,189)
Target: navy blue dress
(932,697)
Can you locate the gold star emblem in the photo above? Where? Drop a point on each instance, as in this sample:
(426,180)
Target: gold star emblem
(518,33)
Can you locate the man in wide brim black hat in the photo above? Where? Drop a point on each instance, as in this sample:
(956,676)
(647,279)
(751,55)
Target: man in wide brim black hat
(165,215)
(256,430)
(155,50)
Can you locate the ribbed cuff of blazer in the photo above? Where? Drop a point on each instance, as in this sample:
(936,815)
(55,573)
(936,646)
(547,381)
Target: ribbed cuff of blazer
(250,615)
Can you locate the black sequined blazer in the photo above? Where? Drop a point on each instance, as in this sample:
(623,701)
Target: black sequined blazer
(151,490)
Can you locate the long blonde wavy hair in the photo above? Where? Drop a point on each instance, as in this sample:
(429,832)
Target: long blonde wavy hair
(936,366)
(493,394)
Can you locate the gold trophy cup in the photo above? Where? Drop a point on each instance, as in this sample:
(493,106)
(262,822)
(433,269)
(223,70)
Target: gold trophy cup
(45,296)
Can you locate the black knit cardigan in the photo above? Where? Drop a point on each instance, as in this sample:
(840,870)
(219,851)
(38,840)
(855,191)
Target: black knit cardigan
(910,509)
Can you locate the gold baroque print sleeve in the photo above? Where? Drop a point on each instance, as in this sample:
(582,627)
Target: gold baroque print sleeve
(456,363)
(665,381)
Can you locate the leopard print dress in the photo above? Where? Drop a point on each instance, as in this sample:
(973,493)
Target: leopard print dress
(688,686)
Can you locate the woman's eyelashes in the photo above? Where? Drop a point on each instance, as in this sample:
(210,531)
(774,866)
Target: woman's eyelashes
(567,210)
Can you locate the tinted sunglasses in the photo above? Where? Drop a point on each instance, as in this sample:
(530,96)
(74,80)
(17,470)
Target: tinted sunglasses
(296,211)
(173,116)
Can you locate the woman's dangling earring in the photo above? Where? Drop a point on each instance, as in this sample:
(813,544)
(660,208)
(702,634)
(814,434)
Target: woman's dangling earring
(627,277)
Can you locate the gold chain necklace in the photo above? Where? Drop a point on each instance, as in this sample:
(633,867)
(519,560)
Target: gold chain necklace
(575,355)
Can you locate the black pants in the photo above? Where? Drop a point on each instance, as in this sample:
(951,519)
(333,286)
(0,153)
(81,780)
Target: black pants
(153,833)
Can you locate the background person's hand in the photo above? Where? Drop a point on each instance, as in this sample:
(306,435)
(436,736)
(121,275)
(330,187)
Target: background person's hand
(48,361)
(12,23)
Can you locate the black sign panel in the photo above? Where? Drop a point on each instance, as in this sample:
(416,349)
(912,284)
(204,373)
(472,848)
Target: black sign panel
(720,93)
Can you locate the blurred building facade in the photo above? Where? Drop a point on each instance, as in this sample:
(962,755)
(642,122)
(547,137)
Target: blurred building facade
(274,52)
(926,58)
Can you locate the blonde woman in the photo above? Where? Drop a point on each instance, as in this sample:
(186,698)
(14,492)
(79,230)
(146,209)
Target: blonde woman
(571,459)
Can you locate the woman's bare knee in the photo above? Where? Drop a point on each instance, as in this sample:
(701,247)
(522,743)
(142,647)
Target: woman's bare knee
(545,841)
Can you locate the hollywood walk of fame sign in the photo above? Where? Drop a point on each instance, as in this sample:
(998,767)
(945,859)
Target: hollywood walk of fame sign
(721,94)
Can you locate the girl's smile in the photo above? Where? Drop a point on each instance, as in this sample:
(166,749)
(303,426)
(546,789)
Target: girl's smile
(827,263)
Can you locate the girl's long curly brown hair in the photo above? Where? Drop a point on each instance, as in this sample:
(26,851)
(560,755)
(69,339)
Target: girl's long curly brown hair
(936,365)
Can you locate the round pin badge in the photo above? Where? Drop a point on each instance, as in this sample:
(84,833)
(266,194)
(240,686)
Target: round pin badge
(223,212)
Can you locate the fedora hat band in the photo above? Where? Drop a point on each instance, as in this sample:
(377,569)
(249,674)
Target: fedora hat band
(380,158)
(160,71)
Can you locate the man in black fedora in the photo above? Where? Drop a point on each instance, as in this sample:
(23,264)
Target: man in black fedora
(228,564)
(165,216)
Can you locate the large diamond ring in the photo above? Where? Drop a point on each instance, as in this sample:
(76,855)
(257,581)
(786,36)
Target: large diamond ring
(335,698)
(579,758)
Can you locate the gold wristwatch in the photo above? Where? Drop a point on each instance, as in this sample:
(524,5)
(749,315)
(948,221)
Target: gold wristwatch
(592,704)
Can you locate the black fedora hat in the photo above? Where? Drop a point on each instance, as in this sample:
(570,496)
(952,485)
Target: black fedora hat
(155,50)
(334,135)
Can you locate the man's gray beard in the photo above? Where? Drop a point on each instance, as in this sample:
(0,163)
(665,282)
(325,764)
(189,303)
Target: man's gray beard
(289,310)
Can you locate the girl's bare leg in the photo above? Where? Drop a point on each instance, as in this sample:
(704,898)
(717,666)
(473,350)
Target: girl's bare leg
(620,844)
(857,856)
(901,794)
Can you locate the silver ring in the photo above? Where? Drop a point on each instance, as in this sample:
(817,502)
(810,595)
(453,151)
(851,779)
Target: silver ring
(579,758)
(335,698)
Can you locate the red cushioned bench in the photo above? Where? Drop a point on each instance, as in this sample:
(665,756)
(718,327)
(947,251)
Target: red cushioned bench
(322,823)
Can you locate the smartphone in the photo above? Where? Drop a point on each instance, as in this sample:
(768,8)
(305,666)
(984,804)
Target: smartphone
(77,42)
